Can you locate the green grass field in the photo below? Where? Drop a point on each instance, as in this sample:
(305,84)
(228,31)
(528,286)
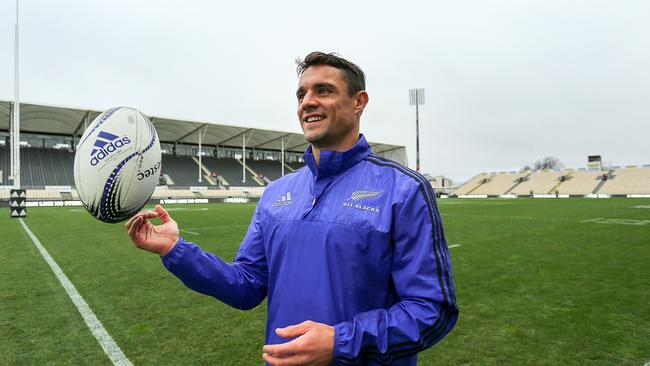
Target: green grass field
(544,282)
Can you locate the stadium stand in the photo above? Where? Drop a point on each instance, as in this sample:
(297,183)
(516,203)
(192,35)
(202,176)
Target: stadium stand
(40,167)
(271,169)
(499,184)
(624,181)
(183,170)
(578,182)
(46,167)
(539,182)
(296,165)
(51,168)
(46,126)
(472,184)
(230,169)
(5,164)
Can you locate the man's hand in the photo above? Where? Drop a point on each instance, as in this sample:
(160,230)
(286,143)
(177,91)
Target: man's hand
(154,238)
(314,345)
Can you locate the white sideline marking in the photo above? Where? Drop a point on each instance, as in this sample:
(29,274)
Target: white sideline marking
(453,246)
(108,344)
(189,232)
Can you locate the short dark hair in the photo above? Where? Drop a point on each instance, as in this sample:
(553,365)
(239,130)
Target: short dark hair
(352,73)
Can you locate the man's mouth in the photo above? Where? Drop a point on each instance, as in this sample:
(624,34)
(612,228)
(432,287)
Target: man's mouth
(313,118)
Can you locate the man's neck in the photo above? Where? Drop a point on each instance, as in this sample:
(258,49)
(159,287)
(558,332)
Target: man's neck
(343,146)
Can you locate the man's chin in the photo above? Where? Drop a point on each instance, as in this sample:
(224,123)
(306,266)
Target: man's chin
(314,138)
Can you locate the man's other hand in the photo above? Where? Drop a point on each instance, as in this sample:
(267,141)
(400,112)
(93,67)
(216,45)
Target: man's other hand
(154,238)
(314,345)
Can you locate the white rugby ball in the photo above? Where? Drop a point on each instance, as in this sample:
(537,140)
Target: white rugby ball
(117,164)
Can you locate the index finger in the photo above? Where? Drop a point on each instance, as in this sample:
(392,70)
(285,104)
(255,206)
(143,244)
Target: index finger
(143,214)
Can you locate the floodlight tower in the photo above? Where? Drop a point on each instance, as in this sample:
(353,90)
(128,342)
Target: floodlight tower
(416,98)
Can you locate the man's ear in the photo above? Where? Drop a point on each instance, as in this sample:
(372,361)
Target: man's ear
(360,101)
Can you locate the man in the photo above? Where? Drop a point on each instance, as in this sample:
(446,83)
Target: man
(349,250)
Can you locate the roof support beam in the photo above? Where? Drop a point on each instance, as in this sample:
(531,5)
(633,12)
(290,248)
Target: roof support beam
(271,140)
(235,136)
(83,122)
(293,147)
(191,132)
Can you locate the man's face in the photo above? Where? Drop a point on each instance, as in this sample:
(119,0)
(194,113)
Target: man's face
(329,117)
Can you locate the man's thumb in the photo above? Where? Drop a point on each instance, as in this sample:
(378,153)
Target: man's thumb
(293,330)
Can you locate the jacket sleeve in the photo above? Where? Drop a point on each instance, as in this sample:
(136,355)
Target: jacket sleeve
(426,307)
(242,284)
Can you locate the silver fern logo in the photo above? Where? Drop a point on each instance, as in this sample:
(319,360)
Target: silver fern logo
(361,195)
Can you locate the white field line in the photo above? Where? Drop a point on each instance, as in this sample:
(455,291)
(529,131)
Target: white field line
(108,344)
(453,246)
(189,232)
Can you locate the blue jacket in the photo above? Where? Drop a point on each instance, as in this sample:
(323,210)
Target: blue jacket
(355,242)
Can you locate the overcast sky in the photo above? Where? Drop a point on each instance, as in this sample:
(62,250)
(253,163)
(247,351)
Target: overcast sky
(507,82)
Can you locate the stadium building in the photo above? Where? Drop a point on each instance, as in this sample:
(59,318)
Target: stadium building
(201,161)
(604,182)
(212,162)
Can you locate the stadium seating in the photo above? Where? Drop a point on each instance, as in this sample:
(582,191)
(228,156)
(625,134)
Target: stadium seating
(182,170)
(472,184)
(268,168)
(625,181)
(296,165)
(40,167)
(579,182)
(499,184)
(5,165)
(230,169)
(539,182)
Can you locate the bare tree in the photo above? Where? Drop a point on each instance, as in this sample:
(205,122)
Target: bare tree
(548,162)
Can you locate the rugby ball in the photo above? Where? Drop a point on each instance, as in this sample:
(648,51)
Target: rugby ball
(117,164)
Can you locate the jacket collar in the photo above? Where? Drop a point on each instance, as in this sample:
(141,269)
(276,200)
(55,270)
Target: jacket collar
(336,162)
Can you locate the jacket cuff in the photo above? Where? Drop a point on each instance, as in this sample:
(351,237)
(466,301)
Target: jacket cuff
(175,255)
(342,341)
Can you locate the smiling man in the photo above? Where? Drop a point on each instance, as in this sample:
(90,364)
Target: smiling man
(350,250)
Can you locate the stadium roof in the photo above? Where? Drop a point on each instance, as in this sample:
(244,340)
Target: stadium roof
(49,119)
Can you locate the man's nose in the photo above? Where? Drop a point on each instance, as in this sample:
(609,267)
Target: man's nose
(308,102)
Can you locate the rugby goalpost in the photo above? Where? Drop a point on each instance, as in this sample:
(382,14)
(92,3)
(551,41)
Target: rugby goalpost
(17,196)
